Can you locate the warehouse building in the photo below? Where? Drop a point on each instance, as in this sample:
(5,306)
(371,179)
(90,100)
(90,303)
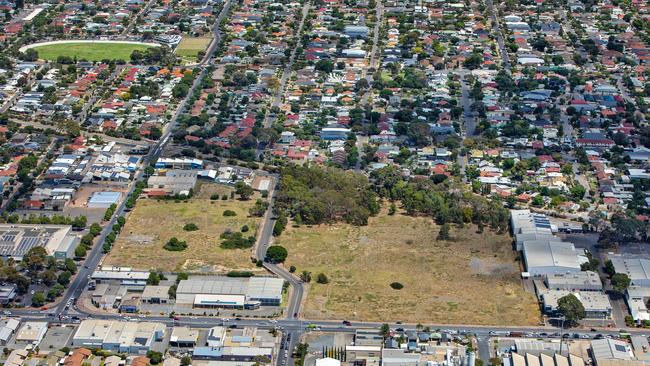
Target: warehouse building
(125,276)
(225,292)
(17,239)
(637,298)
(605,350)
(576,281)
(544,257)
(238,354)
(637,269)
(118,336)
(183,337)
(104,199)
(31,333)
(596,304)
(174,182)
(529,226)
(543,359)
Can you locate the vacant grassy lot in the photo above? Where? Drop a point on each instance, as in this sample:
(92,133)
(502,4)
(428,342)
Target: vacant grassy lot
(470,280)
(152,223)
(190,47)
(89,51)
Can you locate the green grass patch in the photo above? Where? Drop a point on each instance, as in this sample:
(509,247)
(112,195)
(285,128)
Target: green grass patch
(89,51)
(189,47)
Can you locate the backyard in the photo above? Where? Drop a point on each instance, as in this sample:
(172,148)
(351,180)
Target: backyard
(153,222)
(89,51)
(472,279)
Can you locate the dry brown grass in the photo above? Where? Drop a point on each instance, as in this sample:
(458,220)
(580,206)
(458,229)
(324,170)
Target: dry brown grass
(152,223)
(470,280)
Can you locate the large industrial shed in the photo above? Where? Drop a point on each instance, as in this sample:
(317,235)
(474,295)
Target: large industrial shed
(225,292)
(544,257)
(529,226)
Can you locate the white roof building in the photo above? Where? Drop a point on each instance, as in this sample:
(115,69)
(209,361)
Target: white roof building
(31,333)
(543,257)
(118,336)
(636,268)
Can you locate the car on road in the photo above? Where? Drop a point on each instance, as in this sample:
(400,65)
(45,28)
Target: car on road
(347,322)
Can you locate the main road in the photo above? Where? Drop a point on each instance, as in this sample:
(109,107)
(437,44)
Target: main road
(95,255)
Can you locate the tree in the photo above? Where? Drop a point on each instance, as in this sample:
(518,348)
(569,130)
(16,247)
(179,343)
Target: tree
(443,234)
(609,268)
(190,227)
(153,279)
(385,330)
(273,83)
(620,282)
(243,190)
(571,308)
(277,253)
(70,265)
(95,229)
(392,209)
(38,299)
(175,245)
(280,224)
(48,277)
(305,276)
(474,61)
(34,260)
(154,357)
(577,192)
(29,55)
(64,278)
(186,360)
(80,251)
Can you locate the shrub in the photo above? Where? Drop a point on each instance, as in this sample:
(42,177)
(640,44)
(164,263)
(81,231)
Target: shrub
(292,269)
(396,286)
(236,241)
(190,227)
(229,213)
(240,274)
(244,228)
(214,197)
(322,278)
(224,197)
(175,245)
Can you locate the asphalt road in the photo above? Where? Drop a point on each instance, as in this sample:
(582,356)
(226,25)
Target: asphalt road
(277,97)
(95,255)
(497,29)
(265,239)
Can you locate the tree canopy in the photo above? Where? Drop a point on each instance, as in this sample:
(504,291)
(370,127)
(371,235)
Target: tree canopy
(571,308)
(440,201)
(323,195)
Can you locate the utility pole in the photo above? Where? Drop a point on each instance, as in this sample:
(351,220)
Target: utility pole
(562,319)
